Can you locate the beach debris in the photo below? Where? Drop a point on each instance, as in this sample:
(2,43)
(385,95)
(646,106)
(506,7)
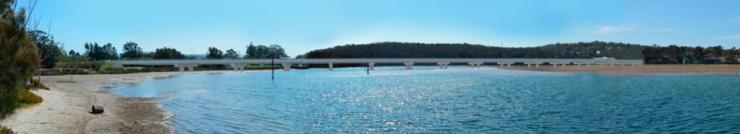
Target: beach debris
(97,109)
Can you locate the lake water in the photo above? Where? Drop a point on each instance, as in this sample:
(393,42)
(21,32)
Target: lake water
(455,100)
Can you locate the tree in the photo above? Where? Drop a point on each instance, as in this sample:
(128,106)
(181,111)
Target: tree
(214,53)
(132,50)
(49,50)
(260,51)
(263,52)
(97,52)
(231,54)
(579,50)
(167,53)
(251,51)
(18,56)
(275,51)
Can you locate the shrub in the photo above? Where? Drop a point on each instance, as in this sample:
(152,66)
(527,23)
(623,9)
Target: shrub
(133,69)
(105,66)
(5,130)
(29,98)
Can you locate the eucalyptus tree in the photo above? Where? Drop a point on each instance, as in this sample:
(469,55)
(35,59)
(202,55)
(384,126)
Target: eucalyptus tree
(214,53)
(231,54)
(131,50)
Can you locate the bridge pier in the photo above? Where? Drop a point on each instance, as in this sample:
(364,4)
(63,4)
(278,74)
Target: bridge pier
(331,66)
(409,65)
(286,66)
(529,64)
(556,64)
(475,64)
(443,65)
(371,66)
(182,67)
(237,67)
(502,64)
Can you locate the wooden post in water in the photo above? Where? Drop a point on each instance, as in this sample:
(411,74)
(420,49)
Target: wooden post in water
(273,68)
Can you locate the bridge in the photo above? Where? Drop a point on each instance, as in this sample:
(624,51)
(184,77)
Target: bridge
(443,63)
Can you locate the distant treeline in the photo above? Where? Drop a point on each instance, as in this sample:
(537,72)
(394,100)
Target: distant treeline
(690,55)
(52,55)
(580,50)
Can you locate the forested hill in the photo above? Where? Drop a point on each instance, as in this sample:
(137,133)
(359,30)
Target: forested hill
(464,50)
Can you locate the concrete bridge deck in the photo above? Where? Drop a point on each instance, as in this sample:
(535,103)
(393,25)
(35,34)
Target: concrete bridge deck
(408,62)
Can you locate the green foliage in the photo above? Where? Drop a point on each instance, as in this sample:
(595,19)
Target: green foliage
(133,69)
(265,52)
(74,63)
(463,50)
(167,53)
(231,54)
(5,130)
(97,52)
(690,55)
(18,57)
(214,53)
(251,51)
(49,50)
(132,50)
(105,66)
(26,97)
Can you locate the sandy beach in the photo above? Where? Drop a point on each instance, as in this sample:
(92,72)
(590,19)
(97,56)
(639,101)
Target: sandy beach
(66,107)
(639,69)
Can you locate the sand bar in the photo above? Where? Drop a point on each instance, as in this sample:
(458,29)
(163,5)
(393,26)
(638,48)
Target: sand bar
(66,107)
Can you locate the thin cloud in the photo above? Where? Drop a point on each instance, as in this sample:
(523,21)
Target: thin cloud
(658,30)
(607,29)
(730,37)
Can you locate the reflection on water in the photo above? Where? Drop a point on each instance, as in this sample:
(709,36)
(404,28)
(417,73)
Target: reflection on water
(459,100)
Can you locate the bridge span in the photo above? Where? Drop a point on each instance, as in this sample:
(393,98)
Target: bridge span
(443,63)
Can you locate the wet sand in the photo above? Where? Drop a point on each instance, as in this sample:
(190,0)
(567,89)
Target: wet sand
(638,69)
(66,107)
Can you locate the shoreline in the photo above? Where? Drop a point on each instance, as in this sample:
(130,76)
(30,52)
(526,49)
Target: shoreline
(66,106)
(664,68)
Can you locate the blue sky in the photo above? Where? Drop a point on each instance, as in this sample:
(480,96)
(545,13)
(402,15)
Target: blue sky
(299,26)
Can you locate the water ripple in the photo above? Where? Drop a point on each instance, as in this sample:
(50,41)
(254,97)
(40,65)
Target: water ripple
(456,100)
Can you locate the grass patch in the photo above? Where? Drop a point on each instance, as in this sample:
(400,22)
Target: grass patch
(5,130)
(29,98)
(107,66)
(133,69)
